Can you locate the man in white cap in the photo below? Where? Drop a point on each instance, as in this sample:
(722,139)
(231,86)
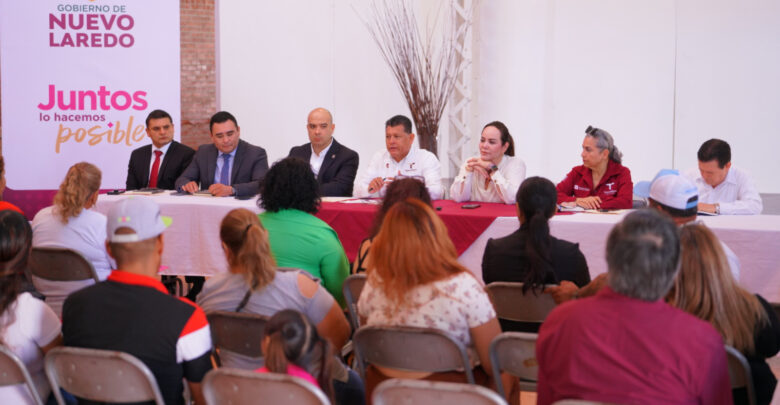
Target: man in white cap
(677,196)
(132,312)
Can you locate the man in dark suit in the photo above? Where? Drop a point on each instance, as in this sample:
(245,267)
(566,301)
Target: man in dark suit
(333,164)
(228,166)
(165,158)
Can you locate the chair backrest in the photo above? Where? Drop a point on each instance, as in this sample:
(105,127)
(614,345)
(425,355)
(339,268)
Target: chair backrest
(351,288)
(515,353)
(13,371)
(237,387)
(400,391)
(58,264)
(513,305)
(237,332)
(739,373)
(410,349)
(100,375)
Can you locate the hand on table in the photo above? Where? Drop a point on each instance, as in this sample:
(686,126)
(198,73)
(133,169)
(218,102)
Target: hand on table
(707,207)
(589,203)
(220,190)
(377,183)
(190,187)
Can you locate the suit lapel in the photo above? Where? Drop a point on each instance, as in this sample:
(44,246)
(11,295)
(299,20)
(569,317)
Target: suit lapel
(166,158)
(240,150)
(146,159)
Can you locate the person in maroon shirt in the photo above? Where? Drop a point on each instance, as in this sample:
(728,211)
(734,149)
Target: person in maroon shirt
(601,182)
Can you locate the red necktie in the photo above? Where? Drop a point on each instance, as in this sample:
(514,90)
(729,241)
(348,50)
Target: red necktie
(155,169)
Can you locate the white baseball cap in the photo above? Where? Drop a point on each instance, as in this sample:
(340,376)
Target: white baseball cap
(140,214)
(671,189)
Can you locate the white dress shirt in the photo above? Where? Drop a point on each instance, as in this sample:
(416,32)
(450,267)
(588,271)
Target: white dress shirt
(417,163)
(737,195)
(502,187)
(316,160)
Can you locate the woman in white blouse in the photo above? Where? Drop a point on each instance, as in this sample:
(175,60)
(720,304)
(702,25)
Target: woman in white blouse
(71,223)
(496,174)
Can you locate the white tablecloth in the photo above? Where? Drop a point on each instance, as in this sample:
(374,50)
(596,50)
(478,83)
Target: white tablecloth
(192,245)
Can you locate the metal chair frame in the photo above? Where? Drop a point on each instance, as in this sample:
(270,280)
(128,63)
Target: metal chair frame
(225,385)
(13,371)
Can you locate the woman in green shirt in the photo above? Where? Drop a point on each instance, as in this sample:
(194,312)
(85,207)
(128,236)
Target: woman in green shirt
(289,194)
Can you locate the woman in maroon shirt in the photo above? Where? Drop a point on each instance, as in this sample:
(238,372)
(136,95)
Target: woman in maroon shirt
(601,182)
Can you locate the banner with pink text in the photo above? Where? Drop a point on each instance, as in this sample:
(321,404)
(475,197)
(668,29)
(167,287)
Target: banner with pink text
(78,80)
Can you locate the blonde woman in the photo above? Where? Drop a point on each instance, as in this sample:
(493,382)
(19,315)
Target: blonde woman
(705,288)
(71,223)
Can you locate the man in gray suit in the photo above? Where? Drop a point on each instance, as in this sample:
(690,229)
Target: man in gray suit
(228,166)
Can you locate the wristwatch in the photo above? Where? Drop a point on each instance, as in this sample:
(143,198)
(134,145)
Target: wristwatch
(717,208)
(493,168)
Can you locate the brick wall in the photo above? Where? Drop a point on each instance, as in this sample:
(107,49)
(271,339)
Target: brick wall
(198,71)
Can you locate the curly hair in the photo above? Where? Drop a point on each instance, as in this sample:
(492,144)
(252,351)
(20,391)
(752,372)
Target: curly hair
(290,184)
(82,180)
(15,242)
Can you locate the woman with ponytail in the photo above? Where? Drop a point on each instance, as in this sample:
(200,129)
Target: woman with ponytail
(71,223)
(292,346)
(531,255)
(601,182)
(252,284)
(28,327)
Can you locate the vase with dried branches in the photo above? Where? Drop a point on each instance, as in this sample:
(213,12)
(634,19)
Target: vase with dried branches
(426,74)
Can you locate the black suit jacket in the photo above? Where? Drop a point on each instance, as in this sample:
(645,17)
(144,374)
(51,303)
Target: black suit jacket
(505,260)
(338,170)
(176,159)
(249,167)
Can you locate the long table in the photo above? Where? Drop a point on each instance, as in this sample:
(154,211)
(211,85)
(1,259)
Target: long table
(192,245)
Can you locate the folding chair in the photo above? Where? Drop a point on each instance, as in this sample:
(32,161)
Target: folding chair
(352,287)
(100,375)
(13,371)
(739,373)
(513,305)
(413,349)
(237,387)
(57,265)
(237,332)
(515,353)
(399,391)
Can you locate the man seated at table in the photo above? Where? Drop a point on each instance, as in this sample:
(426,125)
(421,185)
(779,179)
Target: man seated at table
(401,159)
(723,189)
(626,345)
(334,165)
(158,165)
(132,312)
(228,166)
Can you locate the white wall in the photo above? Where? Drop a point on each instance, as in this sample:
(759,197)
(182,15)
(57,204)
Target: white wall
(661,75)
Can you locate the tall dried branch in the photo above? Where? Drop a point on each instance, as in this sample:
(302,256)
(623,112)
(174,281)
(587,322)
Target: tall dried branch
(425,74)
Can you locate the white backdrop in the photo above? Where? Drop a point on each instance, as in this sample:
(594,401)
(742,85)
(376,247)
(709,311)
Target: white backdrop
(661,75)
(126,50)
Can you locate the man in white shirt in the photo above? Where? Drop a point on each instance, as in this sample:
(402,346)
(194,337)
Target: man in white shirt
(334,164)
(401,159)
(723,189)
